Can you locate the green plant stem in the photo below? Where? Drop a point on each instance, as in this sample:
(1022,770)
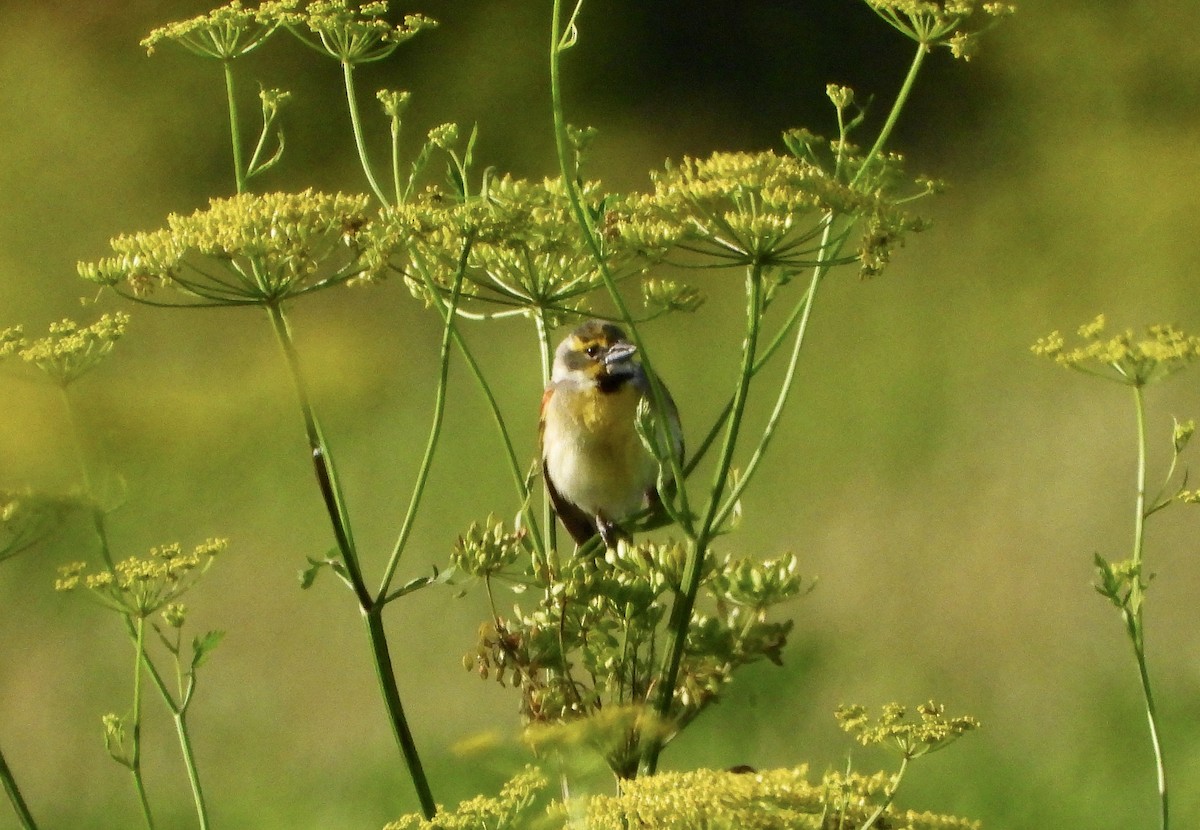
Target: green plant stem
(235,131)
(135,758)
(543,336)
(14,796)
(327,479)
(889,797)
(785,387)
(386,675)
(371,610)
(356,125)
(893,117)
(685,600)
(435,429)
(193,773)
(1132,608)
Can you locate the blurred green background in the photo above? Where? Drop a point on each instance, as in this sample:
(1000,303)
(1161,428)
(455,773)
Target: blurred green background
(948,489)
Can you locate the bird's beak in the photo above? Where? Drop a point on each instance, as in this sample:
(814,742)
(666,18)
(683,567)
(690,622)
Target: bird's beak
(619,353)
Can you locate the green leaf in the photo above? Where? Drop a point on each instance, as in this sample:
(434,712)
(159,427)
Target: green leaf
(202,645)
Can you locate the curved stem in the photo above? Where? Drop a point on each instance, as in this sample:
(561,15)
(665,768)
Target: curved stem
(235,132)
(435,429)
(356,126)
(14,796)
(785,387)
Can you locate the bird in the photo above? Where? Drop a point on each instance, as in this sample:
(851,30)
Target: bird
(596,469)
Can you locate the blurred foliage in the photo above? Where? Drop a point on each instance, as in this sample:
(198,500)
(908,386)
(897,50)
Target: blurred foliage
(944,487)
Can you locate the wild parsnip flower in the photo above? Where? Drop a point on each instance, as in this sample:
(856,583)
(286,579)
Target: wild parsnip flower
(140,586)
(1124,358)
(764,209)
(251,250)
(70,351)
(226,32)
(11,340)
(912,739)
(502,812)
(759,584)
(529,255)
(355,34)
(955,24)
(774,799)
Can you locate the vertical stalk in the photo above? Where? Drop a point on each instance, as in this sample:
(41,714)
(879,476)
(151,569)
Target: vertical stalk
(894,115)
(235,131)
(14,796)
(356,125)
(543,335)
(685,602)
(1132,608)
(135,758)
(185,744)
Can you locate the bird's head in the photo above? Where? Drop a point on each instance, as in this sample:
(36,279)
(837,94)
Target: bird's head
(596,353)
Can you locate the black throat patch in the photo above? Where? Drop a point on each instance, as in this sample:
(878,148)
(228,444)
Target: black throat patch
(608,384)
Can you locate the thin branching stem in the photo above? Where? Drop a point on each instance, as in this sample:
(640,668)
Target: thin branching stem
(15,797)
(371,609)
(356,125)
(435,428)
(235,132)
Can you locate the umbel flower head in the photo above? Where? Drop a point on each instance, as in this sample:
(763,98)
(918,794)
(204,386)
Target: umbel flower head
(1125,357)
(140,586)
(774,799)
(69,351)
(955,24)
(249,250)
(354,34)
(226,32)
(769,210)
(910,738)
(528,253)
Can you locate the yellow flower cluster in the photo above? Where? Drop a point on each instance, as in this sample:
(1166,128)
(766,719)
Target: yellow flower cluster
(912,738)
(69,350)
(1124,357)
(777,799)
(252,249)
(139,586)
(226,32)
(482,812)
(955,24)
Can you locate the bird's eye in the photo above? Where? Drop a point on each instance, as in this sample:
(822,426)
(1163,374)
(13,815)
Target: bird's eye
(592,351)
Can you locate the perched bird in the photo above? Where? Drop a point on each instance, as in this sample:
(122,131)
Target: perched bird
(597,470)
